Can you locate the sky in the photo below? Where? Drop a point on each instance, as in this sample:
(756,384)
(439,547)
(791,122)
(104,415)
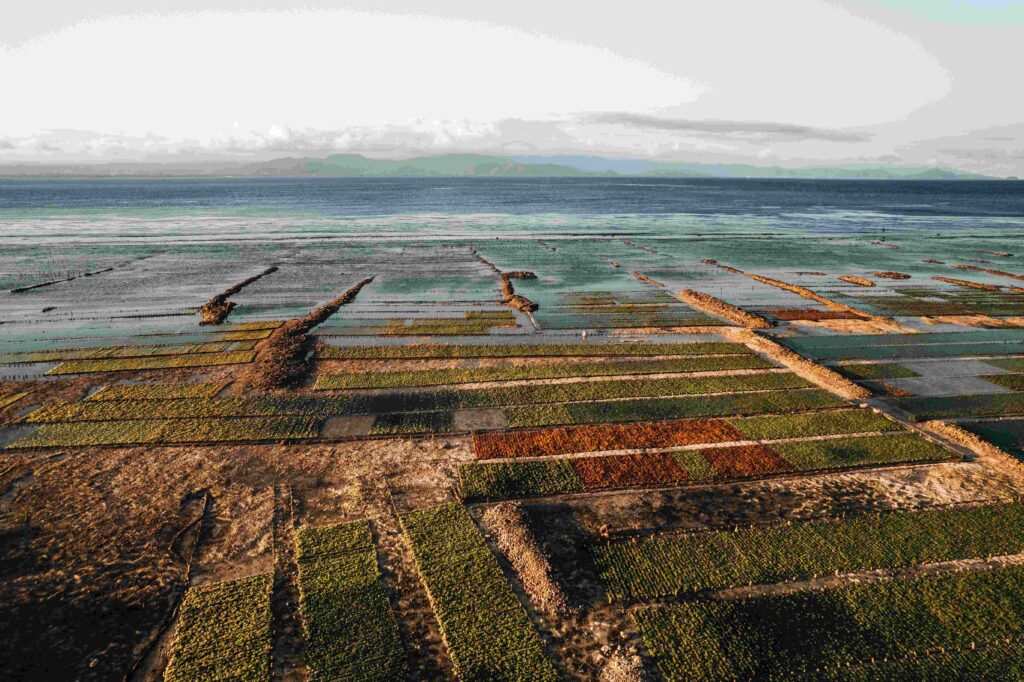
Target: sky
(788,82)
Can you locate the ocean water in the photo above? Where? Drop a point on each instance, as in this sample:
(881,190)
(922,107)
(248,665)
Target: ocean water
(337,197)
(109,257)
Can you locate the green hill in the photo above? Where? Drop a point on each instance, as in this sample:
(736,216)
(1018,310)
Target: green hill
(355,165)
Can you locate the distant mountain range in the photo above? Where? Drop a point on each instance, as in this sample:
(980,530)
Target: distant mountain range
(597,164)
(475,165)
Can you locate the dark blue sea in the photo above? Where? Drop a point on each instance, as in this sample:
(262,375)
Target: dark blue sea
(521,196)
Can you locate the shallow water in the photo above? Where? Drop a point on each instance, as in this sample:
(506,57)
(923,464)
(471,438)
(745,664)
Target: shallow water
(172,244)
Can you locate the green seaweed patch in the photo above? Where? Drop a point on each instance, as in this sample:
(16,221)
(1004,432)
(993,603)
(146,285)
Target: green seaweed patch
(876,370)
(224,632)
(676,564)
(487,632)
(844,633)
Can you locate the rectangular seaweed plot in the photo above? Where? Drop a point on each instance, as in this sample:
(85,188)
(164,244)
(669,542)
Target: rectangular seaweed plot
(190,408)
(566,440)
(810,344)
(419,401)
(1007,434)
(745,461)
(224,632)
(837,453)
(876,370)
(488,633)
(11,398)
(1013,382)
(1009,364)
(330,352)
(509,479)
(907,352)
(668,565)
(626,471)
(628,388)
(817,634)
(399,423)
(941,407)
(169,431)
(111,352)
(160,362)
(830,423)
(436,377)
(723,405)
(351,633)
(535,395)
(157,391)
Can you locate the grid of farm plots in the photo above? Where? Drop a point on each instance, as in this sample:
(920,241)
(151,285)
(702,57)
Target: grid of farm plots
(657,474)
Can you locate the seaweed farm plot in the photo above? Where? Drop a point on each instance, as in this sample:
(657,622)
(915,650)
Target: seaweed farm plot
(512,479)
(151,351)
(746,293)
(513,350)
(115,352)
(166,431)
(675,433)
(9,398)
(666,565)
(418,401)
(694,496)
(110,341)
(486,629)
(470,323)
(931,375)
(811,344)
(565,440)
(547,371)
(413,423)
(953,300)
(224,632)
(350,629)
(157,391)
(160,362)
(650,409)
(617,312)
(137,282)
(927,294)
(958,626)
(962,406)
(153,414)
(417,273)
(900,295)
(1007,434)
(306,278)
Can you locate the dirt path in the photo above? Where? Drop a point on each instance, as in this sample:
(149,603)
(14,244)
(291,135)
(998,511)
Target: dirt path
(428,657)
(154,653)
(288,638)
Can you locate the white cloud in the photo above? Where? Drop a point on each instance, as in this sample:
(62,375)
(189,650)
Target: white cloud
(806,81)
(194,75)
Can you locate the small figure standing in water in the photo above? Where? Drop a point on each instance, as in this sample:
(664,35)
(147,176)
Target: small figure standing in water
(583,335)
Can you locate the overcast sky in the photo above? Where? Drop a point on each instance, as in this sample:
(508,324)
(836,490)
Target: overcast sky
(788,82)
